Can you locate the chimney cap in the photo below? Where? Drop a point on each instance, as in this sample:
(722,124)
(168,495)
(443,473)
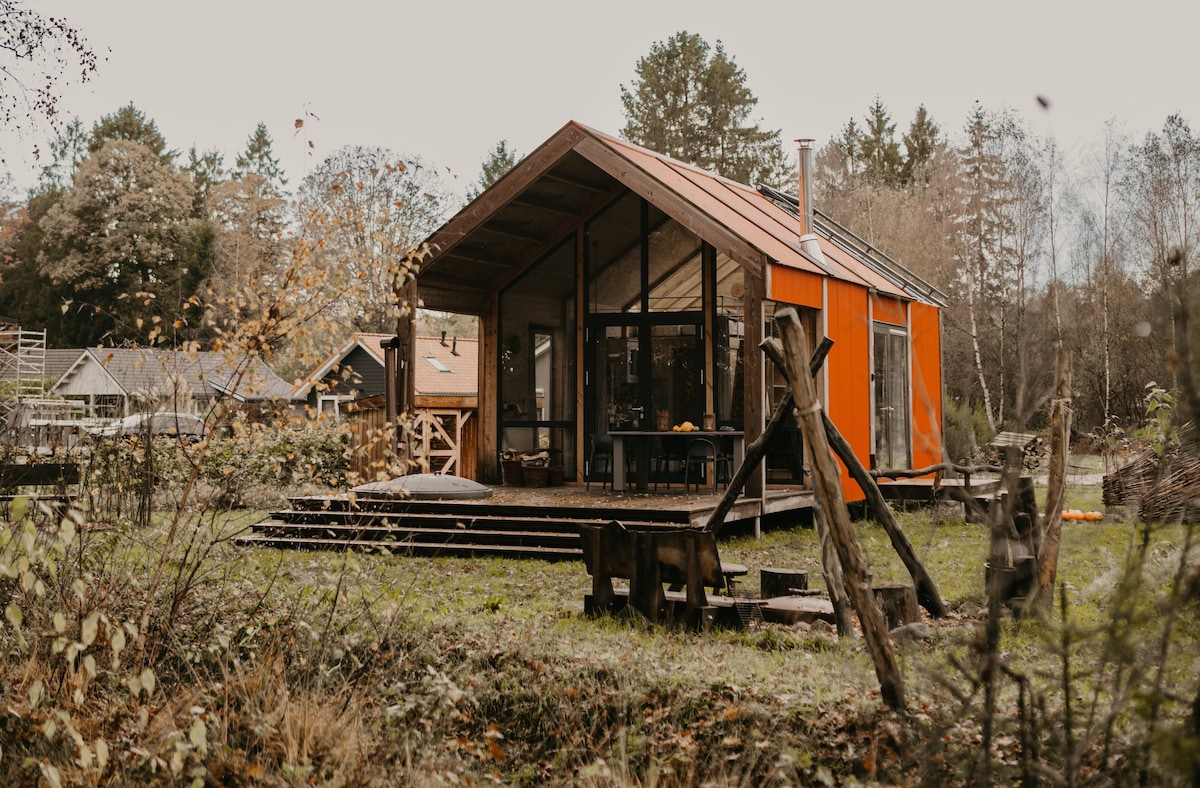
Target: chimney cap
(805,142)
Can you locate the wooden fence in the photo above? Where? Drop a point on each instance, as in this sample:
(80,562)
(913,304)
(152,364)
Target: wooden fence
(446,438)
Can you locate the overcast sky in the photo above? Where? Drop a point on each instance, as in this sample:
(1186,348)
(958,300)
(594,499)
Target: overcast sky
(447,80)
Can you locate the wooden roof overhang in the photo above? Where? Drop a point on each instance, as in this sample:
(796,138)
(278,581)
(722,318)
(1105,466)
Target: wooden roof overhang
(543,200)
(579,170)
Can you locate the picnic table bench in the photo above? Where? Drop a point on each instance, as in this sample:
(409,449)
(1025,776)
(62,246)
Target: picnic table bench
(53,481)
(685,559)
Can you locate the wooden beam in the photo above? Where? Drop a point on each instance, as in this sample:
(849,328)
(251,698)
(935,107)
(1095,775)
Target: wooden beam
(927,592)
(1060,433)
(826,480)
(505,190)
(680,209)
(758,447)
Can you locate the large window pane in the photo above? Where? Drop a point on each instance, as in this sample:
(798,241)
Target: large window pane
(676,364)
(729,339)
(537,364)
(615,257)
(676,281)
(891,398)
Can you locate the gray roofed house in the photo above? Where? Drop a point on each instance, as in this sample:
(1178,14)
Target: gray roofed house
(120,381)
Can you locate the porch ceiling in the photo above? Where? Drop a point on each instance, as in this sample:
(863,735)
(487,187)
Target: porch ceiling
(508,227)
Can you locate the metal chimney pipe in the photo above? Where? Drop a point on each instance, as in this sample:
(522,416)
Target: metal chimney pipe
(804,193)
(808,239)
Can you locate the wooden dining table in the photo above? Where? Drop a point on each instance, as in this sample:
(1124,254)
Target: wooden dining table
(640,441)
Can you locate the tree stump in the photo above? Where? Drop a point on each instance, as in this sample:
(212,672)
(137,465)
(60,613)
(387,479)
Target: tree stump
(775,582)
(899,604)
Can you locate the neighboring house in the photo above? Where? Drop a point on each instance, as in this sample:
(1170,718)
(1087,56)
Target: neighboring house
(445,370)
(115,382)
(616,286)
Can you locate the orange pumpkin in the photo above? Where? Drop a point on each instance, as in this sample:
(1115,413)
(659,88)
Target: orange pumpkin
(1093,516)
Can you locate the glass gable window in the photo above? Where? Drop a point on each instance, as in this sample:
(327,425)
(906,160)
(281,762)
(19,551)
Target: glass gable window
(615,258)
(729,331)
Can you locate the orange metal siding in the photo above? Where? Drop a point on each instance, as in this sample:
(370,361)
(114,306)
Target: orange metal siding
(849,370)
(792,286)
(888,310)
(926,340)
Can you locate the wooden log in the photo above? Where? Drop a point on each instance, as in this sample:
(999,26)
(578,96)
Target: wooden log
(754,452)
(826,480)
(773,581)
(927,591)
(898,603)
(831,568)
(1060,431)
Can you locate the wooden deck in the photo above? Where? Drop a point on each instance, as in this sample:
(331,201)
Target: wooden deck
(922,490)
(533,522)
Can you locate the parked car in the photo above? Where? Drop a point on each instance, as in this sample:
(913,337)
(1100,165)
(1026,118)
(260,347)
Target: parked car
(184,426)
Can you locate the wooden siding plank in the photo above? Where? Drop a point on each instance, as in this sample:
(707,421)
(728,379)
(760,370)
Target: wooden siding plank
(926,338)
(792,286)
(888,310)
(849,374)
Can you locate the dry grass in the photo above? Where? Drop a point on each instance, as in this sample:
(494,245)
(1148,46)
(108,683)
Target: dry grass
(280,667)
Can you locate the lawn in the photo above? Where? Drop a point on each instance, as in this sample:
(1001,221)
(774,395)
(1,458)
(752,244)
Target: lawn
(261,667)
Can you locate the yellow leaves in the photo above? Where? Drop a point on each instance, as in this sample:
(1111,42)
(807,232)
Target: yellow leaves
(144,682)
(14,616)
(89,628)
(198,736)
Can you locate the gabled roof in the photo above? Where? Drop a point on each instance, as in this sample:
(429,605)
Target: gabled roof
(459,356)
(371,343)
(58,361)
(577,171)
(204,375)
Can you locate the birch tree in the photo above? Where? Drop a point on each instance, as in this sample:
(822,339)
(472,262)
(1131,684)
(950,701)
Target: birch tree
(361,212)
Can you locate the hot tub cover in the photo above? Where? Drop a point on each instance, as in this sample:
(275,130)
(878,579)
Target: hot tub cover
(425,486)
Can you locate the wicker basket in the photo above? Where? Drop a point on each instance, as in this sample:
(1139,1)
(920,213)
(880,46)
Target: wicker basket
(536,475)
(512,473)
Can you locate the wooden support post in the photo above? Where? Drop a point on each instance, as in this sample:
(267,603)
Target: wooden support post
(831,568)
(826,480)
(758,447)
(927,592)
(1060,431)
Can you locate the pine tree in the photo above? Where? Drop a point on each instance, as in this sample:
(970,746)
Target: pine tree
(499,161)
(258,159)
(690,101)
(130,123)
(880,150)
(68,149)
(920,144)
(207,170)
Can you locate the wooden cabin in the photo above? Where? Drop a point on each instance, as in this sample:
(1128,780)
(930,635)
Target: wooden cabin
(620,290)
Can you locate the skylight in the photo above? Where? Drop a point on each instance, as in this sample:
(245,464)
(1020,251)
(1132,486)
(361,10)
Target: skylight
(437,364)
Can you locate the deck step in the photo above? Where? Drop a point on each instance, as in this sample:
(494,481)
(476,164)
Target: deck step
(413,548)
(397,534)
(470,521)
(478,508)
